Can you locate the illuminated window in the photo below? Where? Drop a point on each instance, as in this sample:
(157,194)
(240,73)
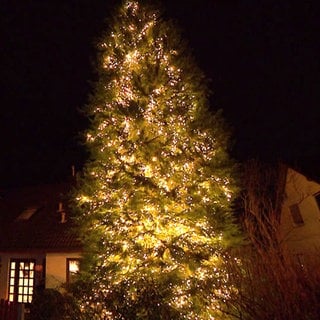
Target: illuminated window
(73,267)
(21,280)
(296,215)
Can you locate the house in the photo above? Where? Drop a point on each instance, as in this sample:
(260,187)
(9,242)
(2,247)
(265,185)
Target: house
(37,245)
(283,203)
(300,217)
(39,249)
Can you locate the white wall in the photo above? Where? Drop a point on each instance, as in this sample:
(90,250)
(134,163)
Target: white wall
(56,268)
(305,238)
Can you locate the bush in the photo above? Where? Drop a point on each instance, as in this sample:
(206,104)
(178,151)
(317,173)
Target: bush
(50,304)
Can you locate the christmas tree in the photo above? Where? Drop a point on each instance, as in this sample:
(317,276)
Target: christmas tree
(154,201)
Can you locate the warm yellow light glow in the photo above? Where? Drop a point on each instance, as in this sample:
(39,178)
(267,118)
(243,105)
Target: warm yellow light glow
(83,199)
(155,191)
(132,58)
(74,266)
(148,171)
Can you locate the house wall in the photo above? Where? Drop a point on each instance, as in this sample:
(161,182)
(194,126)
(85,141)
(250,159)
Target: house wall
(301,239)
(56,268)
(4,276)
(5,267)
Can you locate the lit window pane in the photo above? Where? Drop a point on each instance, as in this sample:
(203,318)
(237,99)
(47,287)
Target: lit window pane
(21,281)
(73,266)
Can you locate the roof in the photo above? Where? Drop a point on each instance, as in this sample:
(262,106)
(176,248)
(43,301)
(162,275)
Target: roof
(30,220)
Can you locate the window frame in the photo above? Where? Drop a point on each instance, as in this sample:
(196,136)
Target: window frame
(70,275)
(21,282)
(296,215)
(317,199)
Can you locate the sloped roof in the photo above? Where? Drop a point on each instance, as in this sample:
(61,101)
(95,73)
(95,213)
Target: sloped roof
(30,221)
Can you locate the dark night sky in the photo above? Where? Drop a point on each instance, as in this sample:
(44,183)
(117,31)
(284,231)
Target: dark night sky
(262,58)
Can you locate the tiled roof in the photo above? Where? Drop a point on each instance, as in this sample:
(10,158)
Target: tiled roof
(39,228)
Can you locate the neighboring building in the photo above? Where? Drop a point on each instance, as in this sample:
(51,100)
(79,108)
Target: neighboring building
(300,217)
(282,206)
(37,245)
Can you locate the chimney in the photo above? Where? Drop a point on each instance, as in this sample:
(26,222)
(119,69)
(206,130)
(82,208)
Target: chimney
(62,213)
(73,170)
(63,217)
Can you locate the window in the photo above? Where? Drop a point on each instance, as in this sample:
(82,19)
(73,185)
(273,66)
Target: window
(317,197)
(73,267)
(21,280)
(296,215)
(27,213)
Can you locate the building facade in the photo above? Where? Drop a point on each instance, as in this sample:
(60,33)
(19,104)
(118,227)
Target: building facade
(38,248)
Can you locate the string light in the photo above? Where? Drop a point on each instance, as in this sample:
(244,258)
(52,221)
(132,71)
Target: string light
(154,195)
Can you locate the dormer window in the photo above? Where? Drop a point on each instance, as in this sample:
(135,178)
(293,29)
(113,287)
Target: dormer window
(27,213)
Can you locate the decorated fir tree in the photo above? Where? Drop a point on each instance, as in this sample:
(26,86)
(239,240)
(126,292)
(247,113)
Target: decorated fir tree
(154,200)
